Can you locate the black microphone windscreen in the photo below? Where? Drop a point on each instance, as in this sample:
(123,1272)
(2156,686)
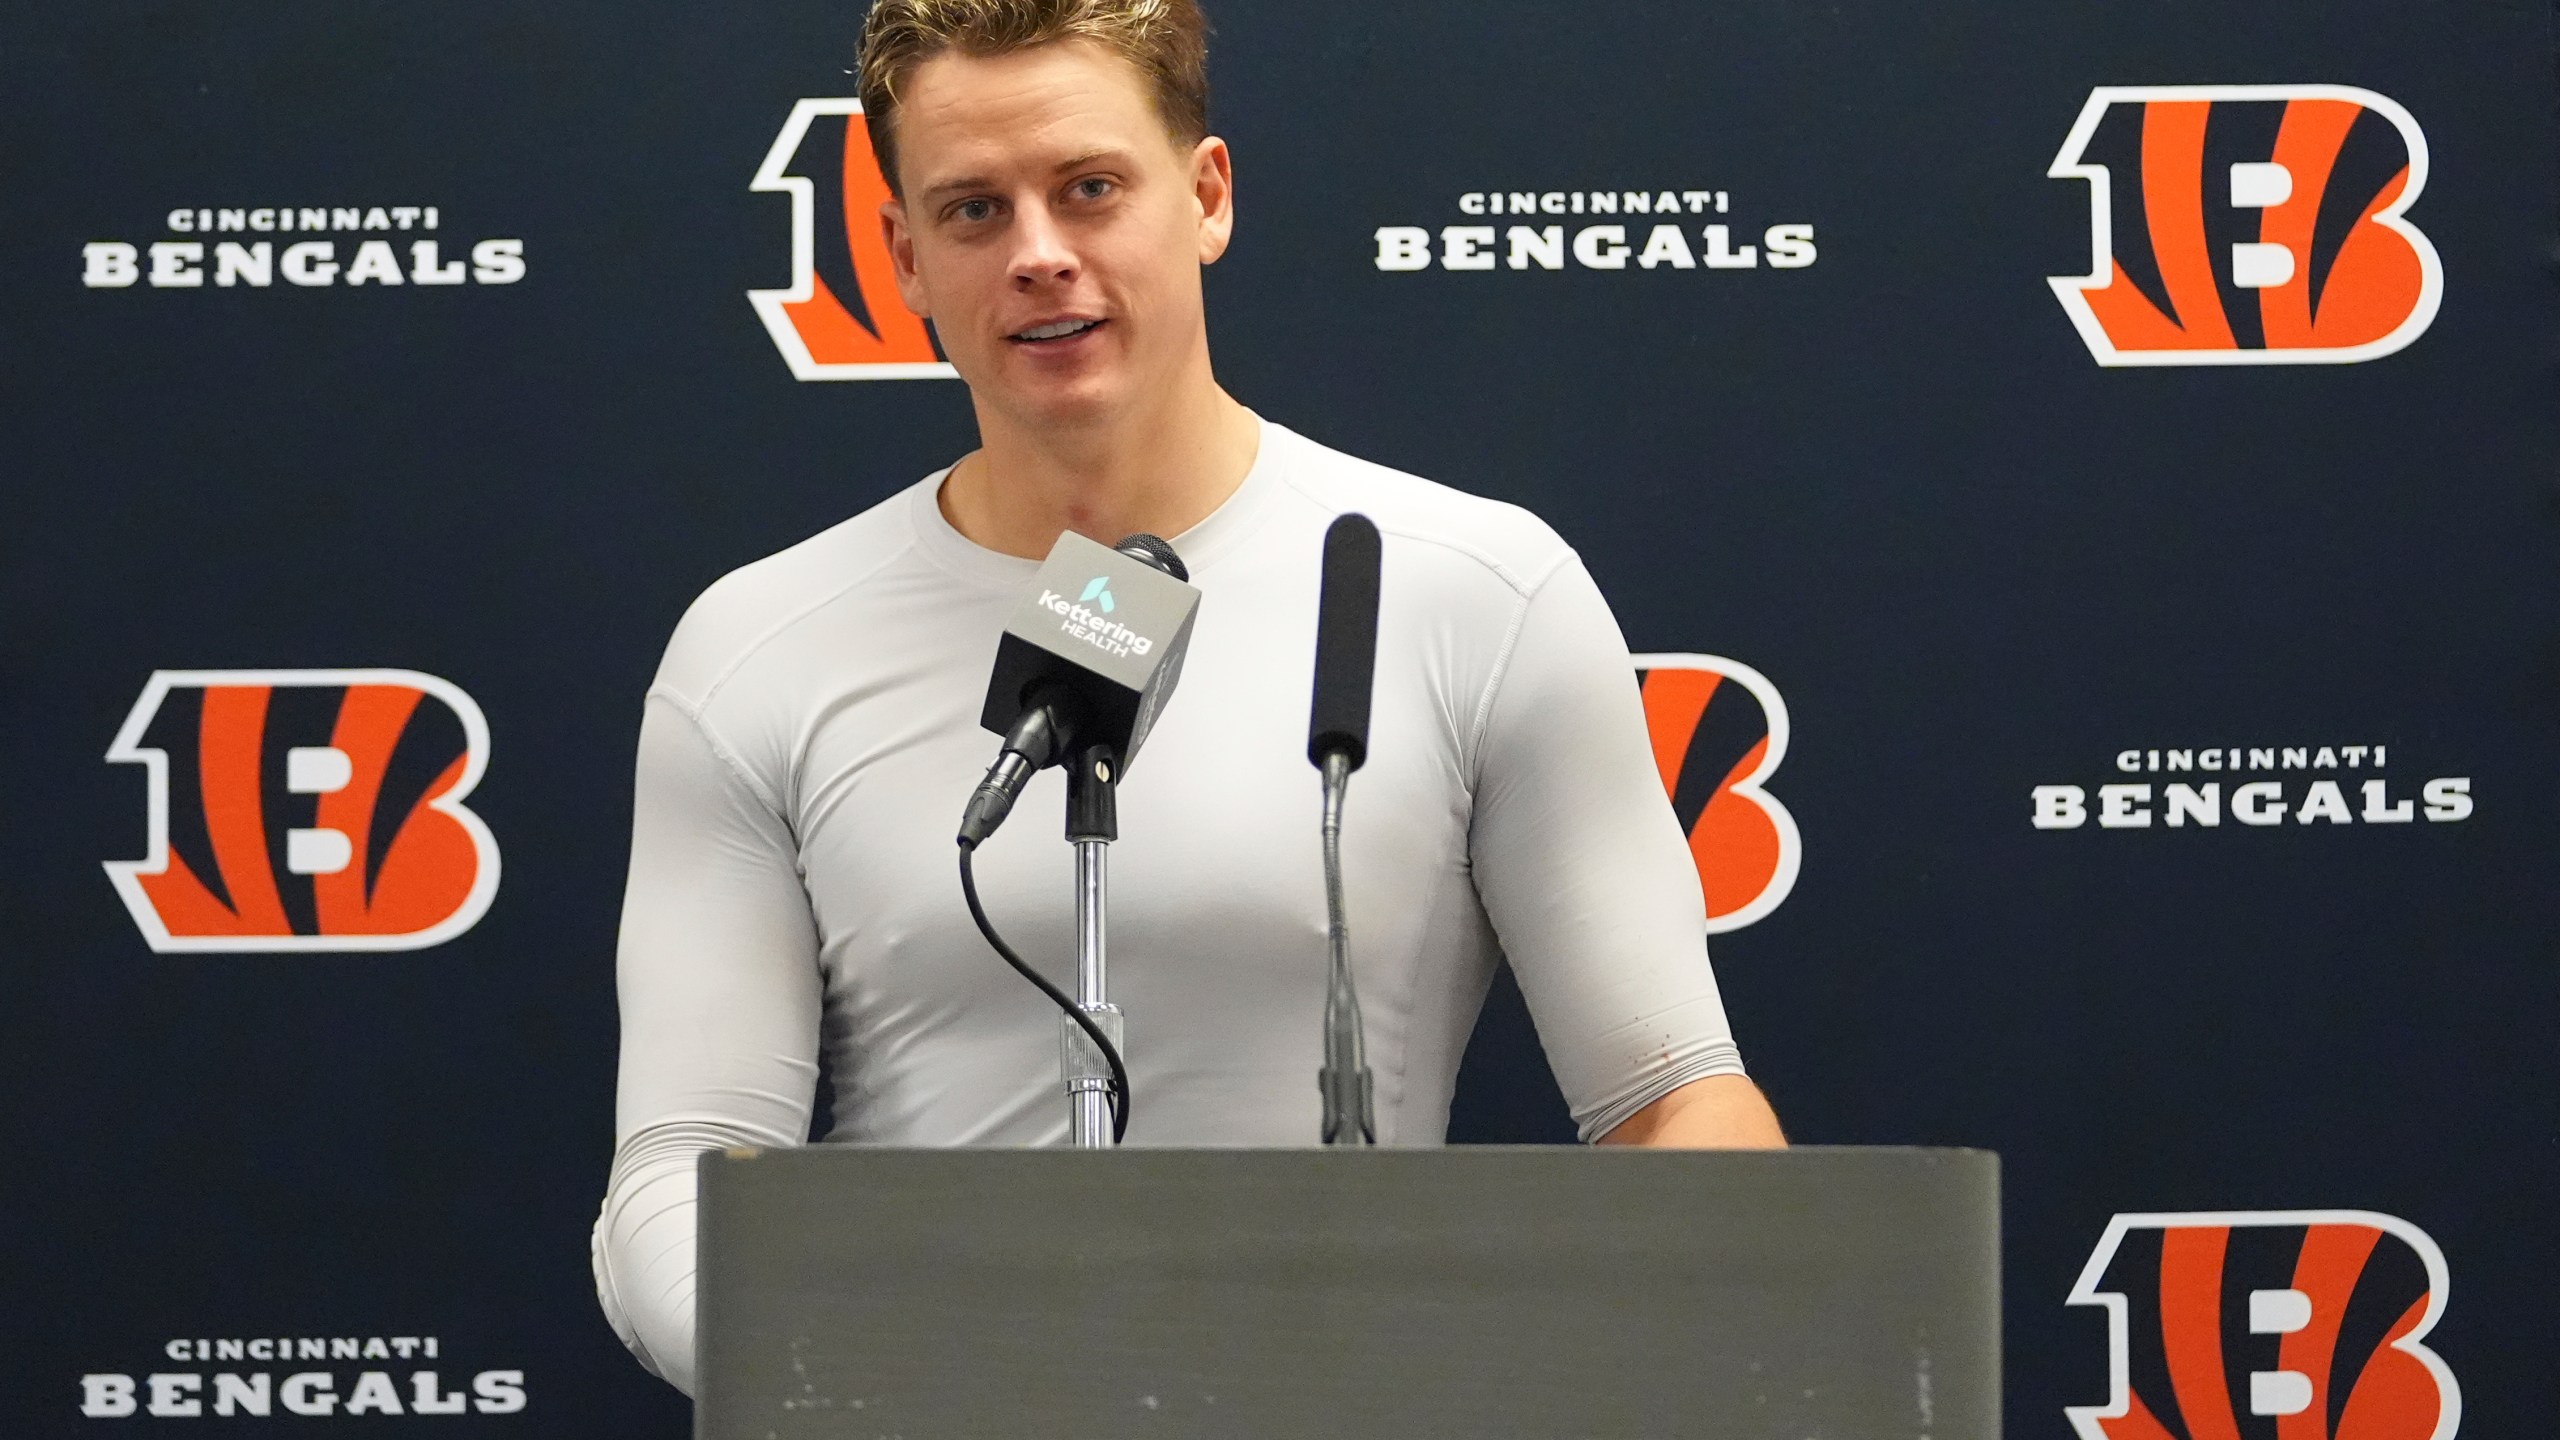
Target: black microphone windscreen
(1346,642)
(1154,551)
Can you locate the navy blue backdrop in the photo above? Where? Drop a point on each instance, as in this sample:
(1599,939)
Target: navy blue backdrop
(2099,642)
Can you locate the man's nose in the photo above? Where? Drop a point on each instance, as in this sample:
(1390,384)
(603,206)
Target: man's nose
(1042,255)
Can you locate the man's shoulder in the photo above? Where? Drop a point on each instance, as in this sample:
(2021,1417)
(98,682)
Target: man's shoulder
(744,611)
(1505,540)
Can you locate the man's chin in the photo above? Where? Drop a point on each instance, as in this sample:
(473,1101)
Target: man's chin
(1065,403)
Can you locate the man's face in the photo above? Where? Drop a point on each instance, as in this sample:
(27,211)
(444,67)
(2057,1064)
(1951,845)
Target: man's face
(1052,229)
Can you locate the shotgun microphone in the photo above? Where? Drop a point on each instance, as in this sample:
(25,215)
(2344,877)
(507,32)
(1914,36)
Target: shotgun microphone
(1338,743)
(1346,643)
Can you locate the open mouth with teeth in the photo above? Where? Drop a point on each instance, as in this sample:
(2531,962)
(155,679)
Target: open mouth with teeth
(1053,332)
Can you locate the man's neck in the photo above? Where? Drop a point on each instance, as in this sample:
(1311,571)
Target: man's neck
(1160,468)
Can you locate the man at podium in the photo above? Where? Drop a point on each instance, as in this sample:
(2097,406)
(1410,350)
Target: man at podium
(813,729)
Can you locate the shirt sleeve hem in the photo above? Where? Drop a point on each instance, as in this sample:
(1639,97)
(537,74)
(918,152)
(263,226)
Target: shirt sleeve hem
(1721,1059)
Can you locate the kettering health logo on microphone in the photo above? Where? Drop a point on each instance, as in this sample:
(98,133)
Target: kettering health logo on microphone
(1084,621)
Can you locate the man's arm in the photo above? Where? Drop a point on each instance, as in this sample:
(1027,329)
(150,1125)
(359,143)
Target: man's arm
(1721,1112)
(1591,886)
(720,997)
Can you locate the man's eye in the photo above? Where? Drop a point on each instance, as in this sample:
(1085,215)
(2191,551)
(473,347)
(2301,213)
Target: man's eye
(973,210)
(1092,187)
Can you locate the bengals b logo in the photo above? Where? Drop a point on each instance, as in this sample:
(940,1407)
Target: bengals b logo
(2269,1325)
(307,810)
(840,318)
(1719,729)
(2248,225)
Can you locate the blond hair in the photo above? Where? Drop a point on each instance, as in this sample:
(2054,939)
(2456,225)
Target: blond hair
(1167,40)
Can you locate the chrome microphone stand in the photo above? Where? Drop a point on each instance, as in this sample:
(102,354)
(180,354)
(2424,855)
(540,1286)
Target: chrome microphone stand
(1093,822)
(1350,1114)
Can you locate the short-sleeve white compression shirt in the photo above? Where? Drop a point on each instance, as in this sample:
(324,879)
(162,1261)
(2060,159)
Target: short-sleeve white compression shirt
(813,733)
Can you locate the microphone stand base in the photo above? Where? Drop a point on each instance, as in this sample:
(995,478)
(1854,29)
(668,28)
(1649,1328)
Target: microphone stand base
(1350,1118)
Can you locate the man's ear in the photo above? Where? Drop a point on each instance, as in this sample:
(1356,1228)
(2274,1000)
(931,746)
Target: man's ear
(902,256)
(1213,186)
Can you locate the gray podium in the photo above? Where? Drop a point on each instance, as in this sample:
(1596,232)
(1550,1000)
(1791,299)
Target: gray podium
(1478,1293)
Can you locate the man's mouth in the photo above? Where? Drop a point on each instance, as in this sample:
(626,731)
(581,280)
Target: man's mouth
(1052,332)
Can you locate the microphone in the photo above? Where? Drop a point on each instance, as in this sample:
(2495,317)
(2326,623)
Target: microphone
(1086,662)
(1346,643)
(1338,743)
(1153,550)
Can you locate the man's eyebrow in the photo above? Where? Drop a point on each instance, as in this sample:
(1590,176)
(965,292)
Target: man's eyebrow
(1078,162)
(981,182)
(965,182)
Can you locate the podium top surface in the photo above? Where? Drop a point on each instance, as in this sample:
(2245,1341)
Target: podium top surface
(1543,1291)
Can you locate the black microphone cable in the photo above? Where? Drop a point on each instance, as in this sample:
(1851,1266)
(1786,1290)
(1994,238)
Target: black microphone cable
(1110,1052)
